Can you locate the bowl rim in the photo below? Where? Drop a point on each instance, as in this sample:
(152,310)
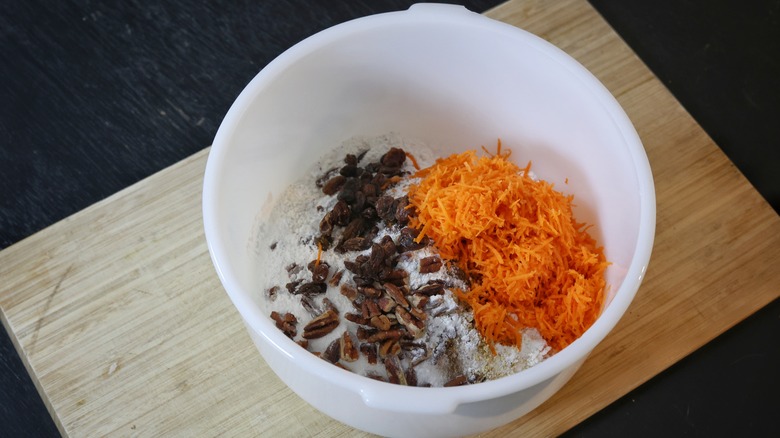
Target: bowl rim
(381,394)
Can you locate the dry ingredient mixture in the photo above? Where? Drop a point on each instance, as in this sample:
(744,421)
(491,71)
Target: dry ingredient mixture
(388,271)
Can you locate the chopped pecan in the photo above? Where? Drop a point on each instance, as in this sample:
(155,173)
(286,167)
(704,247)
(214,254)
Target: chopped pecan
(357,319)
(381,322)
(348,350)
(336,278)
(365,334)
(457,381)
(376,376)
(396,294)
(389,347)
(386,304)
(321,325)
(348,291)
(285,323)
(332,352)
(308,303)
(411,376)
(373,308)
(384,335)
(417,313)
(413,325)
(432,288)
(328,305)
(369,291)
(271,293)
(369,350)
(395,374)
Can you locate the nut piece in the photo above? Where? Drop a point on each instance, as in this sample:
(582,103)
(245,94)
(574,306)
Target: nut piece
(412,324)
(396,294)
(390,347)
(348,351)
(331,354)
(369,350)
(382,322)
(285,323)
(321,325)
(395,373)
(457,381)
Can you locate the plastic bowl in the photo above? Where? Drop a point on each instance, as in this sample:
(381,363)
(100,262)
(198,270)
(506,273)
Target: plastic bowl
(456,80)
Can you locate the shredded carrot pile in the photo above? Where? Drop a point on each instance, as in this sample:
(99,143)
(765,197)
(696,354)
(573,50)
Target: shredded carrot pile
(529,262)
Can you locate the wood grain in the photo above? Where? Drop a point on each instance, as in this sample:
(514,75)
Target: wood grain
(123,324)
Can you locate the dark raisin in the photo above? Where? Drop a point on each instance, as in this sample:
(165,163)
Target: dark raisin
(388,245)
(333,185)
(326,224)
(320,272)
(385,207)
(293,286)
(349,170)
(356,244)
(401,211)
(350,160)
(311,288)
(395,157)
(347,193)
(340,214)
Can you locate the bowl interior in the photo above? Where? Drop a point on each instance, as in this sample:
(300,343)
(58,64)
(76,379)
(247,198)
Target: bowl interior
(455,84)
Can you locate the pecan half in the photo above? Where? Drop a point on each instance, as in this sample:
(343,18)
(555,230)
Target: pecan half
(321,325)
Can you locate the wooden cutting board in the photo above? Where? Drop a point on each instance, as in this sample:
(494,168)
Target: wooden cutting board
(125,329)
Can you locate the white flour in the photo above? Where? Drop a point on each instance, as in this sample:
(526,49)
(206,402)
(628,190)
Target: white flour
(454,346)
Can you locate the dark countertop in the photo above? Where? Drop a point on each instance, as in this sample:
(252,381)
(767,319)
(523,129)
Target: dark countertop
(99,95)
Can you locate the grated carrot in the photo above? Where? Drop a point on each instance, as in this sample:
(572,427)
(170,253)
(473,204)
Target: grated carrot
(530,263)
(413,160)
(319,254)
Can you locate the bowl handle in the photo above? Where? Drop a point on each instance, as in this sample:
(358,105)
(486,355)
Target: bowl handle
(427,401)
(438,9)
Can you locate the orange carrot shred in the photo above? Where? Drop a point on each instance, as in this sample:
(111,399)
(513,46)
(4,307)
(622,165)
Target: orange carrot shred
(414,160)
(530,263)
(319,254)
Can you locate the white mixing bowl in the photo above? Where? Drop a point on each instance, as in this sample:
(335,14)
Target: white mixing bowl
(456,80)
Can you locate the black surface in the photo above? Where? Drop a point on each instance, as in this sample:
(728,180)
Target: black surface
(98,95)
